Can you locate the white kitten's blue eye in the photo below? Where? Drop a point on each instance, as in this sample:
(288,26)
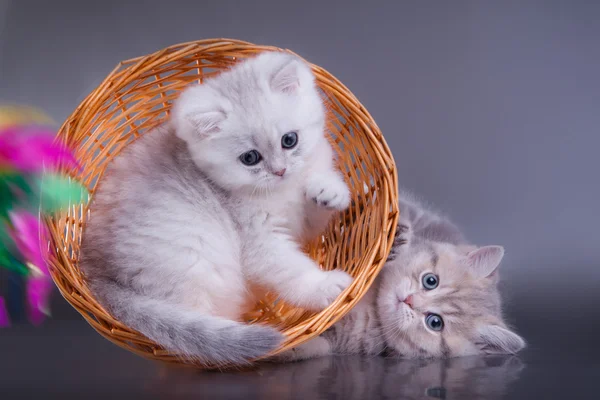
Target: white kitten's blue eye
(434,322)
(289,140)
(251,157)
(430,281)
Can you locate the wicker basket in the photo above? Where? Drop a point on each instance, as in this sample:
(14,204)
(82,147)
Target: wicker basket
(137,96)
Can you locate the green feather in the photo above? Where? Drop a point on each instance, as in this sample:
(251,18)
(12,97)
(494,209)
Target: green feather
(7,259)
(59,192)
(5,238)
(6,199)
(7,249)
(9,262)
(14,190)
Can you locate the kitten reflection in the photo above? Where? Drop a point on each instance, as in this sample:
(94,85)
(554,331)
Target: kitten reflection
(372,378)
(458,378)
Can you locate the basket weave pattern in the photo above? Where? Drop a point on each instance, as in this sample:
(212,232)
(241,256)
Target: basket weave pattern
(137,95)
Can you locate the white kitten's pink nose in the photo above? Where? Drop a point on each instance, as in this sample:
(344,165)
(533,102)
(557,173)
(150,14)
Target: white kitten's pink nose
(280,172)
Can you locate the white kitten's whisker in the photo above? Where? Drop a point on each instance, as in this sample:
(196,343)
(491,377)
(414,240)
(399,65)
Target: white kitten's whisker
(253,191)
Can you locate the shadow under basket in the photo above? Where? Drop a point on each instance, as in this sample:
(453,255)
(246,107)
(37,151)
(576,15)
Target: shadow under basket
(137,96)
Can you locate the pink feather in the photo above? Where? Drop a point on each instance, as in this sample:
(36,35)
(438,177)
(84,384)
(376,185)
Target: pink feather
(30,149)
(4,317)
(29,235)
(37,292)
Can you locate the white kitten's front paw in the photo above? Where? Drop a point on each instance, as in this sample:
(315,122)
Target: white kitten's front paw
(330,288)
(329,191)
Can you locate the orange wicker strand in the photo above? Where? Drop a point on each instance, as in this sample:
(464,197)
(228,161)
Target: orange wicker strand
(137,96)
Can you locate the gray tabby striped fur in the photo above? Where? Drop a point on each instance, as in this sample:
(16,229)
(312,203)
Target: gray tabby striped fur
(392,316)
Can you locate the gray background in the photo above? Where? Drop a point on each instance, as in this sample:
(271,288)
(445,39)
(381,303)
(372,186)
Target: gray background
(491,109)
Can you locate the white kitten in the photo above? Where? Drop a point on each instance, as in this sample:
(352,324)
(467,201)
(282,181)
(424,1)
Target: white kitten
(190,219)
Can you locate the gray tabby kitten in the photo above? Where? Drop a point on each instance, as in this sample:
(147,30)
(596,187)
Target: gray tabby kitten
(436,296)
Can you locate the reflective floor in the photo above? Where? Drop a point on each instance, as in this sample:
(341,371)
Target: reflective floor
(491,111)
(69,360)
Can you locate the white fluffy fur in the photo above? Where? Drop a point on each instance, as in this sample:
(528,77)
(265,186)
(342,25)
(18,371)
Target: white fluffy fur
(184,238)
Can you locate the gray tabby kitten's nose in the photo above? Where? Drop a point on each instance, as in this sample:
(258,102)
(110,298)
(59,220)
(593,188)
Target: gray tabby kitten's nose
(280,172)
(408,301)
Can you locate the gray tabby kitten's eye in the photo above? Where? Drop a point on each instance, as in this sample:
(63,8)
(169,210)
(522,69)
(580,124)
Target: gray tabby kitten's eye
(289,140)
(251,157)
(434,322)
(430,281)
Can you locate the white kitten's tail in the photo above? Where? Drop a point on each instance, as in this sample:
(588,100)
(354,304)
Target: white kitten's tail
(207,339)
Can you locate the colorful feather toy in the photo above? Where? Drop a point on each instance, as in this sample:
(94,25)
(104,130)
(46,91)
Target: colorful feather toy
(31,185)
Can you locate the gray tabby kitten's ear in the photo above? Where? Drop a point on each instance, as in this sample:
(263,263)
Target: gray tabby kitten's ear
(484,260)
(495,339)
(292,76)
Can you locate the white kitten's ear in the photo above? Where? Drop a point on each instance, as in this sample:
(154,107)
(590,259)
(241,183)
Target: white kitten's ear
(291,76)
(495,339)
(484,260)
(205,122)
(198,113)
